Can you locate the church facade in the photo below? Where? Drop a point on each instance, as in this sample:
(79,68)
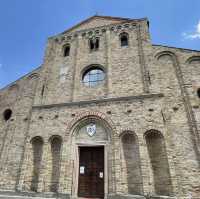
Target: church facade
(107,115)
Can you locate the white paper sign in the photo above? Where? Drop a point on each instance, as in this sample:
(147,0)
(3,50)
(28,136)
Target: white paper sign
(82,170)
(101,174)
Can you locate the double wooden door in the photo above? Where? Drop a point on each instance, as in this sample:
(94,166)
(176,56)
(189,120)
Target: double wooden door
(91,172)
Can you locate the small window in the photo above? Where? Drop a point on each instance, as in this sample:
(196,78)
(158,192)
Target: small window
(198,92)
(66,50)
(93,76)
(91,44)
(124,39)
(7,114)
(94,44)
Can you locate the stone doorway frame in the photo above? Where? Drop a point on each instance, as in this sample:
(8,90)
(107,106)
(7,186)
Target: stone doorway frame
(105,145)
(72,128)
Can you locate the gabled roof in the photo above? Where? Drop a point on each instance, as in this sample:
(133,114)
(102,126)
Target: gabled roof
(102,17)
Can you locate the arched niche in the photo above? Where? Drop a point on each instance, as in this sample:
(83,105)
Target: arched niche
(30,85)
(33,76)
(37,150)
(166,57)
(131,165)
(195,60)
(159,162)
(12,94)
(167,73)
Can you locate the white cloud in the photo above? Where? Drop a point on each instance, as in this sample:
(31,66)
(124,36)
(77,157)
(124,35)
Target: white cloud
(193,35)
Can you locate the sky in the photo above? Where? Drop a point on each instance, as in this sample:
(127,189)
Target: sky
(25,26)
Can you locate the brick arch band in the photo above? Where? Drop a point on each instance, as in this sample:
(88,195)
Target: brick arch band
(87,115)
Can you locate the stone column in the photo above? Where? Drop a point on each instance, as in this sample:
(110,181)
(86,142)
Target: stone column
(27,170)
(65,169)
(44,174)
(147,176)
(47,166)
(117,166)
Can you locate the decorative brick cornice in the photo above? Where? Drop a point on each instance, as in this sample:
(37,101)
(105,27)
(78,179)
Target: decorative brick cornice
(99,101)
(97,31)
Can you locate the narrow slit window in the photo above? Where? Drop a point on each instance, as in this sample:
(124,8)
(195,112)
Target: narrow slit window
(94,44)
(124,39)
(42,92)
(66,50)
(198,92)
(97,43)
(56,158)
(91,44)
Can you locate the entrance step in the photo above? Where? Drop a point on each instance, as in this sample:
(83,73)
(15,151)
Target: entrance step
(20,197)
(128,196)
(26,195)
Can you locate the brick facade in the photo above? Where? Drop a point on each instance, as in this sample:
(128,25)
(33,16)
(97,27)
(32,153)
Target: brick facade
(146,111)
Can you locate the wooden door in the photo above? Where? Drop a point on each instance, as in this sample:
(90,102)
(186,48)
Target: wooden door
(91,172)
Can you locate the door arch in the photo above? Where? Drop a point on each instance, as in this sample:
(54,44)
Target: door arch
(103,137)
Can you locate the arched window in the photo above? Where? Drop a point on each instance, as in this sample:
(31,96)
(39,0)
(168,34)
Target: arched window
(198,92)
(194,60)
(124,39)
(7,114)
(131,173)
(159,162)
(37,146)
(93,76)
(66,50)
(94,44)
(56,157)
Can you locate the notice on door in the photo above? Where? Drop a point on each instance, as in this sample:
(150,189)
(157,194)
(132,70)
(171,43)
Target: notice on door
(101,174)
(82,169)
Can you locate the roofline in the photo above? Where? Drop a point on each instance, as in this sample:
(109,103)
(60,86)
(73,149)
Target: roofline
(176,47)
(105,17)
(10,84)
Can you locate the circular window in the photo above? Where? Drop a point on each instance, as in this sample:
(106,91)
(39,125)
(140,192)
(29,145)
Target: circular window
(93,76)
(7,114)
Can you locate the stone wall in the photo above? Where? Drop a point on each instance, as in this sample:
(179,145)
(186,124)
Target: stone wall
(17,97)
(148,88)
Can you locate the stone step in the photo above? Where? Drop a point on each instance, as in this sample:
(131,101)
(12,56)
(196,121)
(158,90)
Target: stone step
(26,195)
(20,197)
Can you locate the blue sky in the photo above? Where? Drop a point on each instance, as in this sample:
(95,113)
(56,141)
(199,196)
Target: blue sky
(25,26)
